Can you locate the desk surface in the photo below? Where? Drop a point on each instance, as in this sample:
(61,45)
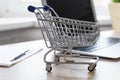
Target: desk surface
(33,68)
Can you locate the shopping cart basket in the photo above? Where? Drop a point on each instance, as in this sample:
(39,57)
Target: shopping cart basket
(63,34)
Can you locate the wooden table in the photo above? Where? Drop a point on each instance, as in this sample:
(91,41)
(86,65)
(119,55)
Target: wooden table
(33,68)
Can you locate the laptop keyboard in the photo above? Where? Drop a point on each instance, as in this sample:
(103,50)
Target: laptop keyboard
(101,43)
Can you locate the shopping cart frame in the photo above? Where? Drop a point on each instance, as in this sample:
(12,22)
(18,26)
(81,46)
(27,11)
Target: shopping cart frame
(63,34)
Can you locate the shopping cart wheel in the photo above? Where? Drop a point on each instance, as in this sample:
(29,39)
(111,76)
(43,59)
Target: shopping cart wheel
(48,67)
(91,67)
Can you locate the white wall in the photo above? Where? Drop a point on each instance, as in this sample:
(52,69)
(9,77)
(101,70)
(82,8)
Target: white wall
(102,11)
(15,8)
(14,14)
(3,7)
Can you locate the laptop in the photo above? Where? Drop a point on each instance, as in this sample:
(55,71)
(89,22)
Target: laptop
(74,9)
(105,47)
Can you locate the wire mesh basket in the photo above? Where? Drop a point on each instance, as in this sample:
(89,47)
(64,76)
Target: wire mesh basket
(64,33)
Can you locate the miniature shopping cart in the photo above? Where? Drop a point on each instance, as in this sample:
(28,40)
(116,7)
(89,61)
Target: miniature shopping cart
(63,34)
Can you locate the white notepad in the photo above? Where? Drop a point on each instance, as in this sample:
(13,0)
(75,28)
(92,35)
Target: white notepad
(10,51)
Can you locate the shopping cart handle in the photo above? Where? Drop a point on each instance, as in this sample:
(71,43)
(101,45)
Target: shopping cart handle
(46,8)
(31,8)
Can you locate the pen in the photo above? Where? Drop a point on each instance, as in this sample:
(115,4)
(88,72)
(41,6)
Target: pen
(19,56)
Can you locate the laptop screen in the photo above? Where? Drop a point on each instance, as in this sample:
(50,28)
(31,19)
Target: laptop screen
(74,9)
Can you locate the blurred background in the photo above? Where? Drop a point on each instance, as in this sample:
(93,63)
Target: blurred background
(17,24)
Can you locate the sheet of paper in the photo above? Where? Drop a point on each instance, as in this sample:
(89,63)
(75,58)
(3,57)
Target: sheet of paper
(10,51)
